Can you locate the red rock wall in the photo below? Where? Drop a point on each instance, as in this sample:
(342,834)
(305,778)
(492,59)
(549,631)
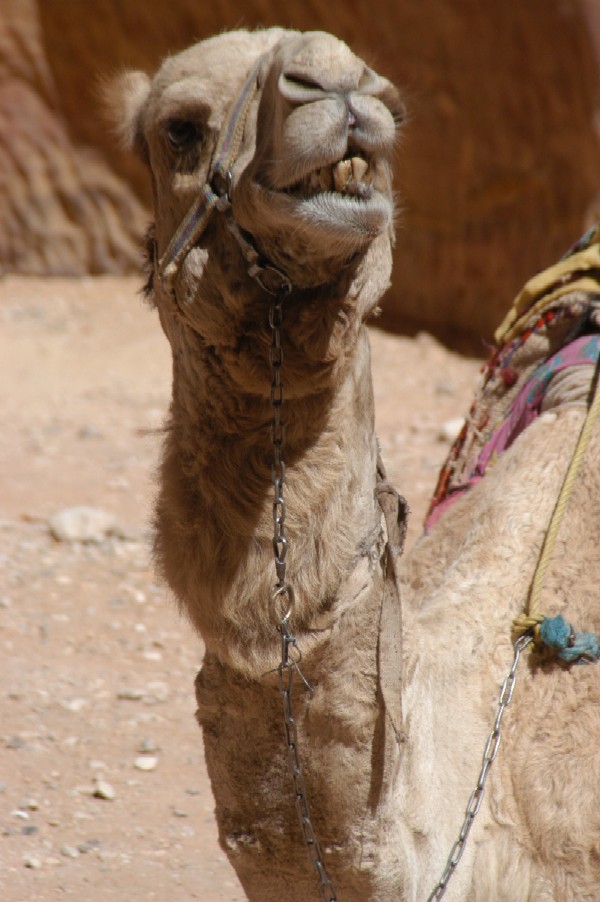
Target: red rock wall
(497,172)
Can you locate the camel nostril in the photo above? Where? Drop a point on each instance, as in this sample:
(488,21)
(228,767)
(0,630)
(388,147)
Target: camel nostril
(351,119)
(302,82)
(299,88)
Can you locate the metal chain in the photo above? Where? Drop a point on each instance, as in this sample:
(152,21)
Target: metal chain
(283,592)
(277,440)
(489,755)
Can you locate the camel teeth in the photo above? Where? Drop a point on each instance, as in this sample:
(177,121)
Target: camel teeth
(326,179)
(342,173)
(359,169)
(346,177)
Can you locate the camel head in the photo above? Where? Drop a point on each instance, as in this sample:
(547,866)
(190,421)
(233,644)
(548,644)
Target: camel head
(310,185)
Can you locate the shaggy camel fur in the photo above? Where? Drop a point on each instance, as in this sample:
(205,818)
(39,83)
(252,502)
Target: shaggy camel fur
(311,186)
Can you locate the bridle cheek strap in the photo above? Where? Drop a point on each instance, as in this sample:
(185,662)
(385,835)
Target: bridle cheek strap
(215,194)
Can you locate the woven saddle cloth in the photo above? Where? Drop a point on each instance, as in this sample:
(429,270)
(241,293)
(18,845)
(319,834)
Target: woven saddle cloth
(553,326)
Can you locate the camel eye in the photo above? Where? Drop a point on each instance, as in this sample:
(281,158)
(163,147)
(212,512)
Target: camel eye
(183,134)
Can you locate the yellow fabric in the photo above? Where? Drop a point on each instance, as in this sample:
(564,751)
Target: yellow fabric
(537,296)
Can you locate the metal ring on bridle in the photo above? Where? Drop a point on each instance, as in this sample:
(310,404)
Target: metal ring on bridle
(278,592)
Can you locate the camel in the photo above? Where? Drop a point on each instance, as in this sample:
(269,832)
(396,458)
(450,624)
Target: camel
(270,155)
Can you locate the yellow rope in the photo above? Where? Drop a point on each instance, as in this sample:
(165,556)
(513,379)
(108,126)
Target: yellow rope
(531,618)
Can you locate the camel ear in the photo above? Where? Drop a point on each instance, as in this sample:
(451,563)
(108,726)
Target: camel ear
(124,98)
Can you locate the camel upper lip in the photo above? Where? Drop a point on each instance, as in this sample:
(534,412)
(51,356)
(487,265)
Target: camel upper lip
(353,176)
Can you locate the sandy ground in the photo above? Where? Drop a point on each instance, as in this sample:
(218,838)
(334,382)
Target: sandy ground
(96,666)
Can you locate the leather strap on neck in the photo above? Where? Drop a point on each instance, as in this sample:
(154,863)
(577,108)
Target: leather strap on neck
(395,512)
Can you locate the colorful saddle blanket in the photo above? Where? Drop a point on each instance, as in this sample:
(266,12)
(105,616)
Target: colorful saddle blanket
(553,325)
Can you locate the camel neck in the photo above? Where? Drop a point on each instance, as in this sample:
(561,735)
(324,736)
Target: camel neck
(215,510)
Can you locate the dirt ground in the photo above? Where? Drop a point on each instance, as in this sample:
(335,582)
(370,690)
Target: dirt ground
(103,787)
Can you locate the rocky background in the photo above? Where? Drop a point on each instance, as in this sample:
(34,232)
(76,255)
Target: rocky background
(498,170)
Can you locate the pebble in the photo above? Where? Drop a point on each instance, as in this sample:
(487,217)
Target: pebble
(148,746)
(73,704)
(83,524)
(145,762)
(87,846)
(15,742)
(18,812)
(29,830)
(179,812)
(451,429)
(31,862)
(445,388)
(152,656)
(103,790)
(70,852)
(132,695)
(157,692)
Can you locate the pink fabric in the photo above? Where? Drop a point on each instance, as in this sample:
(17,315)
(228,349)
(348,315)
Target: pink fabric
(525,408)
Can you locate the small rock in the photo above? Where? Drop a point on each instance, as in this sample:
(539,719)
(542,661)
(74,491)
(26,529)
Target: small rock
(445,388)
(83,524)
(179,812)
(192,791)
(87,846)
(15,742)
(5,601)
(18,812)
(103,790)
(146,762)
(31,862)
(29,830)
(148,746)
(70,852)
(451,429)
(88,432)
(152,655)
(73,704)
(132,695)
(157,692)
(32,804)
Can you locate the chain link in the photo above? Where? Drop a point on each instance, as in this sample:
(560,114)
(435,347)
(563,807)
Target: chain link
(290,661)
(489,755)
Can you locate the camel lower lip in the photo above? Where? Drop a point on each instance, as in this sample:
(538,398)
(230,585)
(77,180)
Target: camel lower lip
(358,216)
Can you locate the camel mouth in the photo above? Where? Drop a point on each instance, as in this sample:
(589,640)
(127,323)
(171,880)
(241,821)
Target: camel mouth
(354,177)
